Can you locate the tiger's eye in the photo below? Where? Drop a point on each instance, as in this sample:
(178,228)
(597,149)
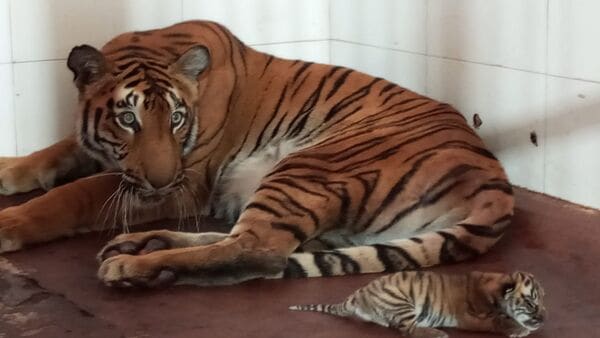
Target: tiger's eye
(127,118)
(176,117)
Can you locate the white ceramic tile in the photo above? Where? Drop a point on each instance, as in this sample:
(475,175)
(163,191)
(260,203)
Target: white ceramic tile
(7,113)
(405,69)
(398,24)
(43,30)
(45,104)
(5,48)
(573,141)
(315,51)
(573,31)
(501,32)
(264,21)
(511,105)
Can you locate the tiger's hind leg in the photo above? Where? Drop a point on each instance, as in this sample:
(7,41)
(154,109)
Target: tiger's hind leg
(44,169)
(490,214)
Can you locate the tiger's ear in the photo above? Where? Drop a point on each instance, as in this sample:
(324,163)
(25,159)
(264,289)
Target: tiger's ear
(192,62)
(87,64)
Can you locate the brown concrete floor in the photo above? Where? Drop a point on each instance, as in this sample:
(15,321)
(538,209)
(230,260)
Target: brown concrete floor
(51,290)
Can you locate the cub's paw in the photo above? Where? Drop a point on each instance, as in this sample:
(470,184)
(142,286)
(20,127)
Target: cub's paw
(138,243)
(126,271)
(17,175)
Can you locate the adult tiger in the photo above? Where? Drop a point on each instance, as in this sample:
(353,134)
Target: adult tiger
(365,174)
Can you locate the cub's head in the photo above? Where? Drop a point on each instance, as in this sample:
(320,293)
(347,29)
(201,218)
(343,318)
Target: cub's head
(522,300)
(137,112)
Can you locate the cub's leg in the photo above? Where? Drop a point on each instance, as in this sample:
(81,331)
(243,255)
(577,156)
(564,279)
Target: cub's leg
(45,168)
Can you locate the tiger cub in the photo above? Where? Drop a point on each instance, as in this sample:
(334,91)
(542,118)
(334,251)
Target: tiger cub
(416,302)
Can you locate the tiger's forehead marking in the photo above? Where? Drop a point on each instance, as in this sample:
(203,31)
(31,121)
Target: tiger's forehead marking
(128,98)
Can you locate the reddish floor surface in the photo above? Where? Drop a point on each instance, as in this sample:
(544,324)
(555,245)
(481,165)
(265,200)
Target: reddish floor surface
(51,290)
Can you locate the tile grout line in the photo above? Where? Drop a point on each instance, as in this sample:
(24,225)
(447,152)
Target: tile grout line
(329,30)
(285,42)
(469,61)
(427,3)
(546,105)
(13,78)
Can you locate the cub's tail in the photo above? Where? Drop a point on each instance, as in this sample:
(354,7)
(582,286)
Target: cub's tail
(341,309)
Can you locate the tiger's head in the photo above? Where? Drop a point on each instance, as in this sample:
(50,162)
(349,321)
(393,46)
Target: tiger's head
(137,114)
(522,299)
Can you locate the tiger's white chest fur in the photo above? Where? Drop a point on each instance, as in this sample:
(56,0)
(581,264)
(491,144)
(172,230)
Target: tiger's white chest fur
(241,178)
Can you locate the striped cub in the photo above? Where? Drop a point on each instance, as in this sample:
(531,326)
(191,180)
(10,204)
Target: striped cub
(416,302)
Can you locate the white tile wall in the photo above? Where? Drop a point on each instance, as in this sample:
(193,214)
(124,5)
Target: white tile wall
(45,101)
(510,104)
(574,31)
(406,69)
(261,21)
(497,58)
(47,30)
(501,32)
(398,24)
(7,112)
(5,47)
(573,141)
(315,51)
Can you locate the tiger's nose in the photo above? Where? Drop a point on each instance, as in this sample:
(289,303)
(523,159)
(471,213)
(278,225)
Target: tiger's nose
(158,181)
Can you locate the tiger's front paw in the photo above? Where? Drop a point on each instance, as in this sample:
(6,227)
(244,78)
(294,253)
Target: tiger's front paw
(127,271)
(11,236)
(17,175)
(137,243)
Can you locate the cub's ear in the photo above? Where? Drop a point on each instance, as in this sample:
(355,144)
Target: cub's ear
(192,62)
(507,288)
(87,64)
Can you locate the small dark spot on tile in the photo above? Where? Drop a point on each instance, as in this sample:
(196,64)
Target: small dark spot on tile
(477,121)
(533,138)
(86,313)
(581,96)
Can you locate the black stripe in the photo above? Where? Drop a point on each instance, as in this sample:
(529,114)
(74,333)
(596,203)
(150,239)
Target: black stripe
(453,250)
(301,70)
(338,83)
(269,60)
(177,35)
(482,230)
(294,269)
(293,228)
(500,185)
(395,258)
(386,88)
(291,183)
(327,260)
(273,114)
(348,100)
(263,207)
(136,49)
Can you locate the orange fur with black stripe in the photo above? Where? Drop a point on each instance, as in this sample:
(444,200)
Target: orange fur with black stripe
(323,169)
